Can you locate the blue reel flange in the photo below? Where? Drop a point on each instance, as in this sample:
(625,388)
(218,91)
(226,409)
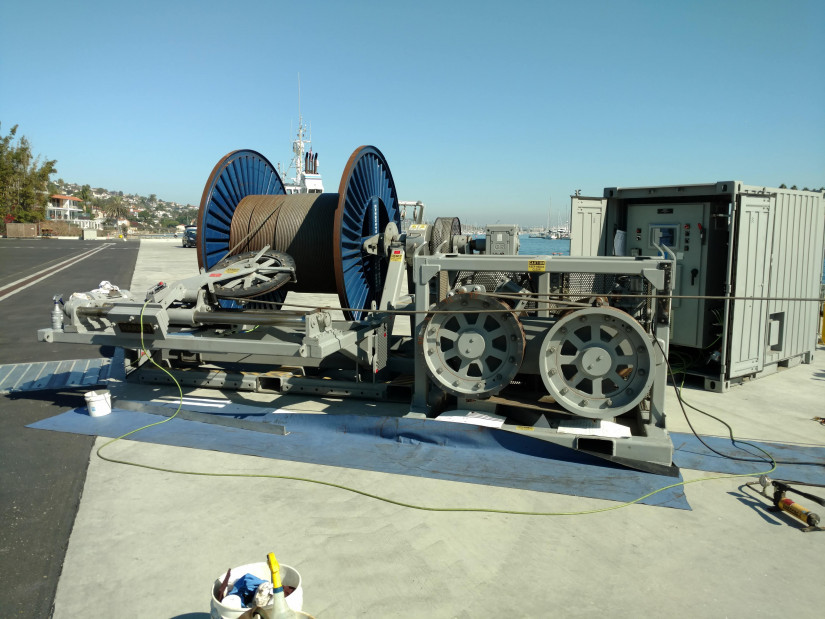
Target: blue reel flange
(367,203)
(239,174)
(244,208)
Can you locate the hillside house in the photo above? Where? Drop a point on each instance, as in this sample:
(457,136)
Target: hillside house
(67,208)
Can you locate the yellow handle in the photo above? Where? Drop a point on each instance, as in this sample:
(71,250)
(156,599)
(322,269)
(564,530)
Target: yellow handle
(275,569)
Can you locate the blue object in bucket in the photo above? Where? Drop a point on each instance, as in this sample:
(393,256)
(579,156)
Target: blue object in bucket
(245,588)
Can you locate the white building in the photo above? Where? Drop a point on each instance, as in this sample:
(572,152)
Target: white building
(67,208)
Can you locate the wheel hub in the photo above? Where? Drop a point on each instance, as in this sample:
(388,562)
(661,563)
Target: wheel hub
(471,344)
(596,361)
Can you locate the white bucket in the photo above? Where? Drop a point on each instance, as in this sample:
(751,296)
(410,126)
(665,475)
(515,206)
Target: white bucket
(99,403)
(289,576)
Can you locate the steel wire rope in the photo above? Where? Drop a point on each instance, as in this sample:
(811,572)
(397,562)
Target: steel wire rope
(238,244)
(570,304)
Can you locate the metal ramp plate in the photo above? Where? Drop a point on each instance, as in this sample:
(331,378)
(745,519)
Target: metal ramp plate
(17,377)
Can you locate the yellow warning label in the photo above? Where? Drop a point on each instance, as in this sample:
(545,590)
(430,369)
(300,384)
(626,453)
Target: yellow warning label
(525,428)
(418,227)
(231,270)
(536,266)
(395,257)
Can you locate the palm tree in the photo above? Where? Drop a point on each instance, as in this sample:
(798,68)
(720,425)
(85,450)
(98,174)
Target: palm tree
(116,209)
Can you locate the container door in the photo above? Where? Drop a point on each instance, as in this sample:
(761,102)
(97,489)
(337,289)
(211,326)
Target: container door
(753,246)
(587,226)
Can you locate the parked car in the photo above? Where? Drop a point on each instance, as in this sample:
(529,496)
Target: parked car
(190,236)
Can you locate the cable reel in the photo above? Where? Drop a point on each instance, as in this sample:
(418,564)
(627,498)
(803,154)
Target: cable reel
(597,362)
(245,208)
(472,347)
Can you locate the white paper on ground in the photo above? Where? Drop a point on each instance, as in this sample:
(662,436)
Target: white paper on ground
(489,420)
(593,427)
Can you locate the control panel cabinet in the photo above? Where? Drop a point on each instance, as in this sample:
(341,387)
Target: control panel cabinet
(684,230)
(745,255)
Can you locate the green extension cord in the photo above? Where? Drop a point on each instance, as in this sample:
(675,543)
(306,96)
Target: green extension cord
(392,501)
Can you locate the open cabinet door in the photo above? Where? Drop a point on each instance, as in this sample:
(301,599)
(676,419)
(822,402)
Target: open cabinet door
(587,234)
(752,249)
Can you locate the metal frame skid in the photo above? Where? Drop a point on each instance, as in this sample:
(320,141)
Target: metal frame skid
(593,332)
(566,350)
(190,323)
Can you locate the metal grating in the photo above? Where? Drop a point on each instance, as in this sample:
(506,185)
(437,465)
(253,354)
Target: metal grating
(597,284)
(40,376)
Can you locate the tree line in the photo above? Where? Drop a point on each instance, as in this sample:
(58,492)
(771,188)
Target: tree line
(25,189)
(23,180)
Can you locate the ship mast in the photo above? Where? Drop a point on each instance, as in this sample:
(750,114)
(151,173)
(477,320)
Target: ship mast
(300,145)
(307,177)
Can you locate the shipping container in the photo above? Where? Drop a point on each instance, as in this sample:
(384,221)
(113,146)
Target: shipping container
(749,263)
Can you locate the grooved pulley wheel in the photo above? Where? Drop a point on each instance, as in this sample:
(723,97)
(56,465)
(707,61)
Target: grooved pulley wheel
(597,362)
(473,348)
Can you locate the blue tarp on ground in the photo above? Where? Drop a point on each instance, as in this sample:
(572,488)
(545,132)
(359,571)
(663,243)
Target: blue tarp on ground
(43,375)
(793,462)
(419,447)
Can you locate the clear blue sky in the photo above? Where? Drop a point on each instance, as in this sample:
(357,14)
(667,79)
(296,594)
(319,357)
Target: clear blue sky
(490,111)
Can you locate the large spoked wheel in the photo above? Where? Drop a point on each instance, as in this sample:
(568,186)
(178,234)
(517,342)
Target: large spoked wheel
(474,348)
(263,280)
(597,362)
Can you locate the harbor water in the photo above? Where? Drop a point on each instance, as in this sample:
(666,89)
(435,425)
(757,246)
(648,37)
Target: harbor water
(543,247)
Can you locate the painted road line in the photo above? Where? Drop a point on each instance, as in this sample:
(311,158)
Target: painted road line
(31,280)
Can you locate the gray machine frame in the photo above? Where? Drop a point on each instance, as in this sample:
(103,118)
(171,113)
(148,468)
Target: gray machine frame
(652,443)
(183,322)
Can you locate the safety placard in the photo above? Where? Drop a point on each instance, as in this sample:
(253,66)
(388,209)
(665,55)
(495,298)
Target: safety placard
(536,266)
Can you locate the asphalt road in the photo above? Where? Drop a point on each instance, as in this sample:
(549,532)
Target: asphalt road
(42,473)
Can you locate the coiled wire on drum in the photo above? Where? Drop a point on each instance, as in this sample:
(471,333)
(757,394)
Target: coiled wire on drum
(298,225)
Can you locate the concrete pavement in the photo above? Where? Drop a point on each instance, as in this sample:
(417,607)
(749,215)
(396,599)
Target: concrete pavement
(148,543)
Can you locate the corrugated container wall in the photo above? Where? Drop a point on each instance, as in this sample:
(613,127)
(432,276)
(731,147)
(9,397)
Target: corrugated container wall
(796,272)
(760,247)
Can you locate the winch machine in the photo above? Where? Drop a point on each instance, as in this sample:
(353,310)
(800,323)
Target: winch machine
(554,347)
